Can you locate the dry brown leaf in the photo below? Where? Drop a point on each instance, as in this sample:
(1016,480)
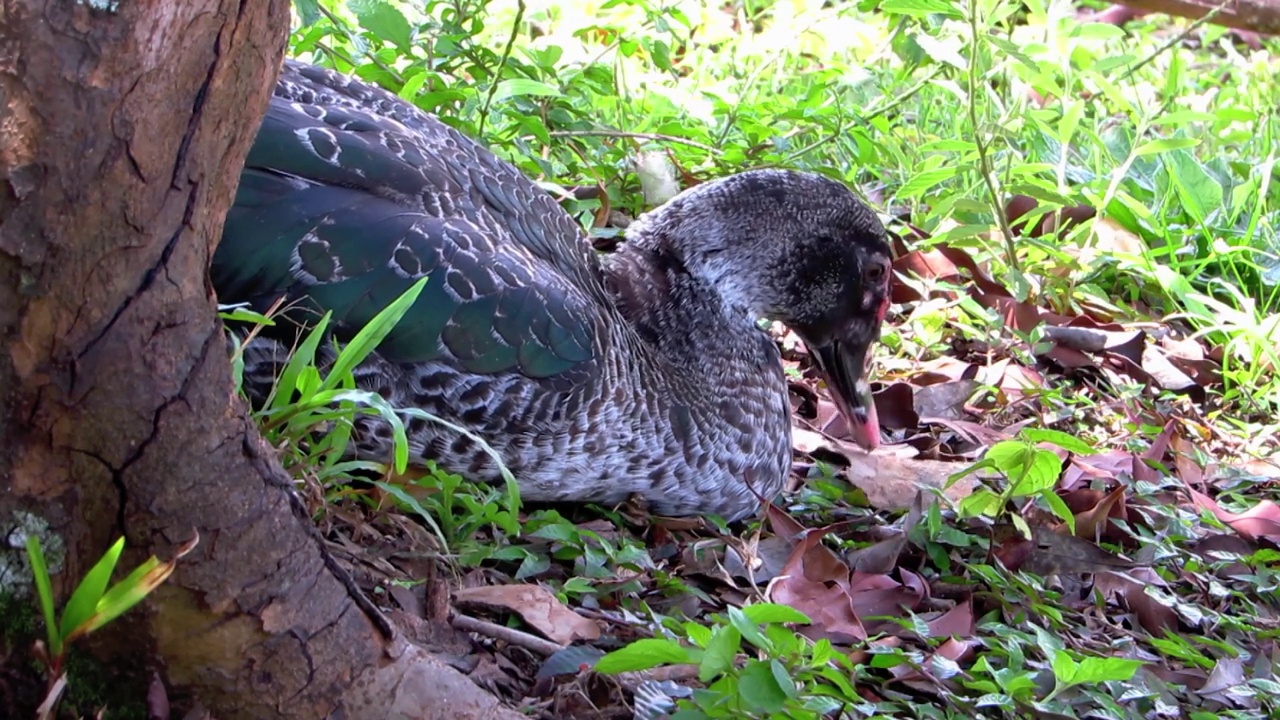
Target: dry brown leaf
(1129,590)
(1260,521)
(891,482)
(537,606)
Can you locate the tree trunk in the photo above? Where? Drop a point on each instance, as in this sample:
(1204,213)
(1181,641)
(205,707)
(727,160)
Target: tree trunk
(123,127)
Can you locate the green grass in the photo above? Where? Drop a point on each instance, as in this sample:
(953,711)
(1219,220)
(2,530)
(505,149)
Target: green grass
(939,114)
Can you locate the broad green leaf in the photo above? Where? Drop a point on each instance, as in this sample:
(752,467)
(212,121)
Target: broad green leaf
(1059,438)
(720,652)
(759,688)
(385,21)
(308,11)
(699,635)
(1104,669)
(412,84)
(1200,194)
(750,631)
(523,86)
(762,613)
(920,8)
(924,180)
(783,678)
(1060,508)
(1064,669)
(644,654)
(1161,145)
(1040,474)
(982,502)
(84,601)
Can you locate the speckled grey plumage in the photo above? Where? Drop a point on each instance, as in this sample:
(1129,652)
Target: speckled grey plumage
(645,373)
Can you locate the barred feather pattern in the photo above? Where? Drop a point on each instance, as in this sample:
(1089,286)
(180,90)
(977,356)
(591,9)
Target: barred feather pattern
(642,374)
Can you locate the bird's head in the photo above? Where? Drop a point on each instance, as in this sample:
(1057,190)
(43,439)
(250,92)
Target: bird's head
(795,247)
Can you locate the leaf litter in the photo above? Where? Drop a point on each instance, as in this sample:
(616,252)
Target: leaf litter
(1163,555)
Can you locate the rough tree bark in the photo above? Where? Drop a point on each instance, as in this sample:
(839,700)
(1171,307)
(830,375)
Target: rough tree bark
(123,125)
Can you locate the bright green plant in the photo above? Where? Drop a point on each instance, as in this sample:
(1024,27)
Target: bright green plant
(311,411)
(1028,471)
(92,605)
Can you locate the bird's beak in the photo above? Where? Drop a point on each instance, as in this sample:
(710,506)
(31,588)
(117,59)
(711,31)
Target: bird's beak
(843,363)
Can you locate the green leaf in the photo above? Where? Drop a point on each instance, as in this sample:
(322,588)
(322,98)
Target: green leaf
(84,601)
(1064,669)
(1040,474)
(1160,145)
(125,594)
(385,21)
(642,655)
(1059,508)
(720,652)
(699,635)
(44,588)
(761,613)
(920,8)
(411,503)
(1071,443)
(302,358)
(759,689)
(982,502)
(308,11)
(750,631)
(523,86)
(1200,194)
(924,180)
(1104,669)
(371,335)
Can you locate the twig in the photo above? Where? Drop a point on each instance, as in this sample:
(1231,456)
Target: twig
(657,137)
(1174,40)
(529,642)
(502,65)
(984,157)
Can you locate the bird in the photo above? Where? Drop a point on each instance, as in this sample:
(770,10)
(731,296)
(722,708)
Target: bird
(648,371)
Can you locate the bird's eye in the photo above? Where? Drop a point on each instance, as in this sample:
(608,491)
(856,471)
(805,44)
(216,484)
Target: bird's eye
(874,273)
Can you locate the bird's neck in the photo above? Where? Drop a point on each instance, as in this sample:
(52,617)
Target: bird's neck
(683,317)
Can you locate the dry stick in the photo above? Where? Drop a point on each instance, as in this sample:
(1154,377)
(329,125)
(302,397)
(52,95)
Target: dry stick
(984,152)
(529,642)
(502,65)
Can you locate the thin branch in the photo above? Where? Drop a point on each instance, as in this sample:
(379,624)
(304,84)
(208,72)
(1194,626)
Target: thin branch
(502,65)
(1175,40)
(984,154)
(532,643)
(656,137)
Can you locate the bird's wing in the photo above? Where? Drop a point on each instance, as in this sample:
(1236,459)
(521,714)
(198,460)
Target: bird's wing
(349,195)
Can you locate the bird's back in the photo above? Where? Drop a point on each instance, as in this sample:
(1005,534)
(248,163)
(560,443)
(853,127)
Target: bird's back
(350,195)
